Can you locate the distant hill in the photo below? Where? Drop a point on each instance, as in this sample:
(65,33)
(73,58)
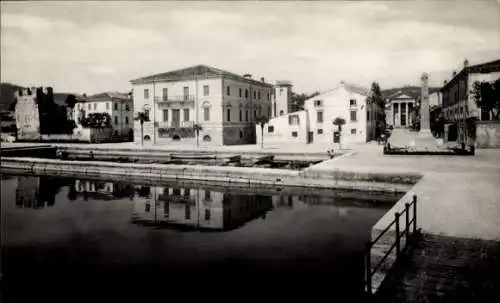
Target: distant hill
(412,91)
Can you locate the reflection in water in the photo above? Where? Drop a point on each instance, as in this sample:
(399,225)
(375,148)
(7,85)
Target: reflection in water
(98,231)
(202,209)
(36,192)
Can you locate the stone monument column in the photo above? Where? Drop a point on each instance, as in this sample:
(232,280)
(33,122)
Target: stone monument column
(425,128)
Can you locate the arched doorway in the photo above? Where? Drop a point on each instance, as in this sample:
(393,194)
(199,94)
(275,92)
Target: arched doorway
(176,138)
(207,138)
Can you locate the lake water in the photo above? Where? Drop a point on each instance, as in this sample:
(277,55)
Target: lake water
(74,238)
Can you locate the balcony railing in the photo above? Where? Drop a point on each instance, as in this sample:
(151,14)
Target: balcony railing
(175,124)
(182,101)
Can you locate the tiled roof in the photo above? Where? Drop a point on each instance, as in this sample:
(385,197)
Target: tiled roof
(202,71)
(105,96)
(356,89)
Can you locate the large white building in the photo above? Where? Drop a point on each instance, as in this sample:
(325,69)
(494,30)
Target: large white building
(119,106)
(224,104)
(314,124)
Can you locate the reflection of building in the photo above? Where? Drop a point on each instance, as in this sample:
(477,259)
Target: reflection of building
(101,189)
(199,208)
(36,192)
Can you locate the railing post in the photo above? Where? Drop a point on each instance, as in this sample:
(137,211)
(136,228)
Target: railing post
(414,213)
(368,268)
(407,225)
(396,218)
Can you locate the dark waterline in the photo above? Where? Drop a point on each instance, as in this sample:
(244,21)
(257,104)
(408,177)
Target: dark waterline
(95,236)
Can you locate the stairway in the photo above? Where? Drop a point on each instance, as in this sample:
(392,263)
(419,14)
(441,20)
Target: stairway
(446,269)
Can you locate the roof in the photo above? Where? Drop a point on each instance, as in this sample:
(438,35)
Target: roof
(487,67)
(189,73)
(105,96)
(347,86)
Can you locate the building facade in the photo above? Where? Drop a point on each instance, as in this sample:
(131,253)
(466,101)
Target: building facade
(224,104)
(398,110)
(119,107)
(314,124)
(460,110)
(28,114)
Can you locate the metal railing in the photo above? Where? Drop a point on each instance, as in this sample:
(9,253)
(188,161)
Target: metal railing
(409,232)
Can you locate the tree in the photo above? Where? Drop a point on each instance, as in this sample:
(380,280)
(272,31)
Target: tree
(142,117)
(96,120)
(339,121)
(262,120)
(70,101)
(197,128)
(299,99)
(487,97)
(377,98)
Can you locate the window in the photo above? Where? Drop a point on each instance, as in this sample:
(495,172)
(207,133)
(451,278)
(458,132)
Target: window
(368,116)
(258,95)
(206,90)
(241,115)
(282,112)
(319,116)
(207,195)
(293,120)
(127,107)
(352,102)
(270,129)
(254,94)
(246,115)
(240,92)
(186,93)
(186,114)
(165,94)
(317,103)
(353,115)
(206,114)
(116,133)
(116,105)
(146,113)
(116,120)
(353,131)
(246,92)
(241,134)
(228,114)
(320,131)
(89,106)
(165,115)
(268,96)
(107,105)
(294,134)
(207,215)
(254,114)
(95,106)
(126,120)
(228,90)
(146,93)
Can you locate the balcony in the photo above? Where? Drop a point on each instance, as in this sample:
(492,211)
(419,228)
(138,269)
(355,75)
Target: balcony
(181,101)
(175,124)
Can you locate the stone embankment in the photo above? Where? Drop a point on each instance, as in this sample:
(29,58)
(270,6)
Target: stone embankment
(238,175)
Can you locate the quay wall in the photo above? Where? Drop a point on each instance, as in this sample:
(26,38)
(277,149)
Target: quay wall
(239,175)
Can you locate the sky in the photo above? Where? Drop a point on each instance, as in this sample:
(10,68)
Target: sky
(91,47)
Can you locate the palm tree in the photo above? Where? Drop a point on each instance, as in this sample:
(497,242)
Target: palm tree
(339,121)
(197,128)
(141,116)
(262,120)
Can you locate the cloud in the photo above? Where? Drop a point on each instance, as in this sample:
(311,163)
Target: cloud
(89,47)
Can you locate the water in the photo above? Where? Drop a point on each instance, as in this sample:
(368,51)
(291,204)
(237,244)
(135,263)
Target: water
(87,238)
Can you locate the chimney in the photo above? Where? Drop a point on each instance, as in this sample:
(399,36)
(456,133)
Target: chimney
(454,73)
(84,95)
(262,79)
(248,76)
(466,63)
